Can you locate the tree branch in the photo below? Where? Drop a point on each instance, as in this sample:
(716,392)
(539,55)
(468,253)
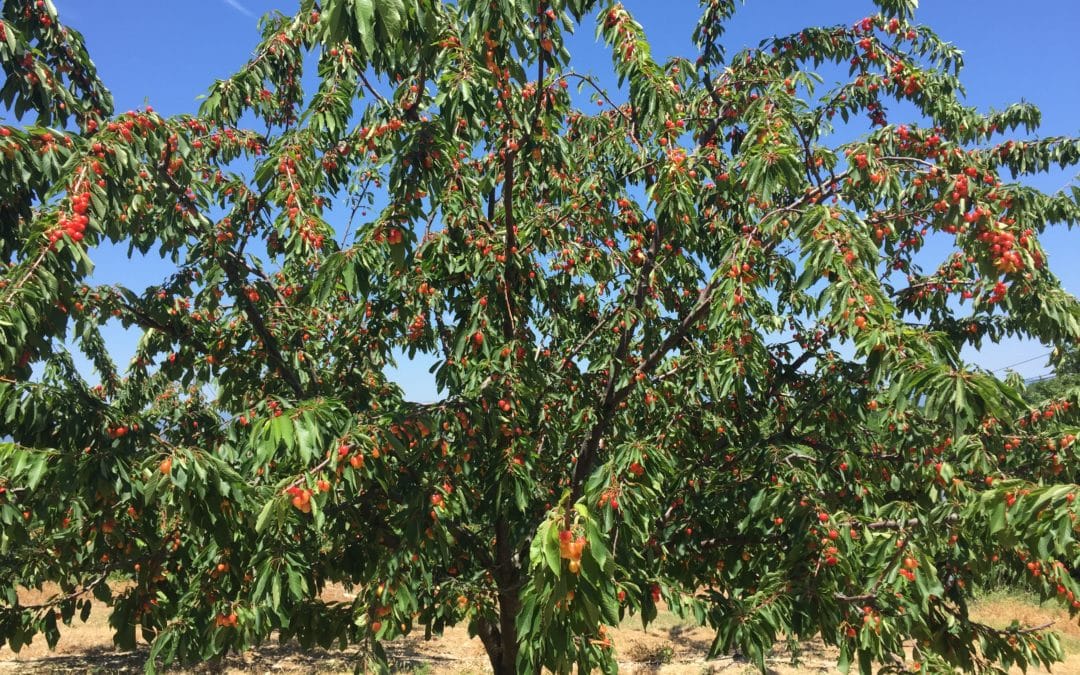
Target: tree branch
(231,268)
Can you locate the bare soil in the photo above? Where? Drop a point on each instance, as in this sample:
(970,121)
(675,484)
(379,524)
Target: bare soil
(666,648)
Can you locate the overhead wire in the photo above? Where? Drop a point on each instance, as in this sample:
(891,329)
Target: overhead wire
(1020,363)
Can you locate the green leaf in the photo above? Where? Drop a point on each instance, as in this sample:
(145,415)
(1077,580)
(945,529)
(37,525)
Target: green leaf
(264,515)
(552,552)
(364,13)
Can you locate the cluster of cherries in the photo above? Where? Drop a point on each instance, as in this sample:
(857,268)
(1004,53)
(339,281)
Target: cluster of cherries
(570,548)
(356,461)
(828,541)
(417,328)
(371,133)
(391,235)
(1046,413)
(908,570)
(1002,244)
(74,224)
(301,498)
(229,620)
(998,294)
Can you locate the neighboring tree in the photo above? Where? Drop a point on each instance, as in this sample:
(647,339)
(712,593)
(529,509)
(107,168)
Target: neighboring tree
(688,348)
(1066,363)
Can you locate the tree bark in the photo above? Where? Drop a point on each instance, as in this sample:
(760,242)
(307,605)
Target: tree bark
(490,636)
(508,580)
(500,642)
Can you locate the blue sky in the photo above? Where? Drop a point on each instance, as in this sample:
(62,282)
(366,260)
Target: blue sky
(168,53)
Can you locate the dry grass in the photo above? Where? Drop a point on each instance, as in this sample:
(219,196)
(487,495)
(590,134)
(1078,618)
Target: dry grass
(1000,608)
(666,648)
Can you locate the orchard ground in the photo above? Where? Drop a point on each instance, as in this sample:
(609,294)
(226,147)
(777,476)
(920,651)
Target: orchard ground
(668,647)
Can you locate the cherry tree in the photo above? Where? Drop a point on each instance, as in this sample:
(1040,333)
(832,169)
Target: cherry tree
(689,348)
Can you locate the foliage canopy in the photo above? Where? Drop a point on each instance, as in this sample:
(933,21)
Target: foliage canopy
(688,346)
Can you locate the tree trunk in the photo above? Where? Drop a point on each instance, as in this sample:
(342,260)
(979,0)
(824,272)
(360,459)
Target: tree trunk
(508,611)
(500,641)
(492,640)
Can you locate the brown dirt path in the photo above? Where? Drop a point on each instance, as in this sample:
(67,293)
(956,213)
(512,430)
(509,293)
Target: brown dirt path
(667,648)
